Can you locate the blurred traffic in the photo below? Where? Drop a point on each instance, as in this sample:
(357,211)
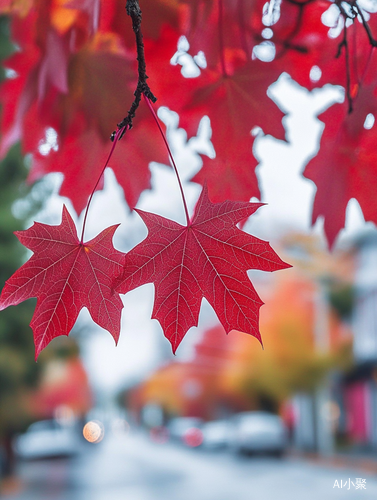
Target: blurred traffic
(130,463)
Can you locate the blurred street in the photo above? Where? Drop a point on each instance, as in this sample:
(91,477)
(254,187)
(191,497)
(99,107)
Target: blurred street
(134,468)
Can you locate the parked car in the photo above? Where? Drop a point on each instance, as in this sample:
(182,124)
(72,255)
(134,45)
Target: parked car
(187,430)
(216,434)
(47,439)
(259,432)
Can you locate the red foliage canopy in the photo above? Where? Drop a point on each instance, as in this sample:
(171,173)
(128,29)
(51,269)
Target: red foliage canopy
(75,72)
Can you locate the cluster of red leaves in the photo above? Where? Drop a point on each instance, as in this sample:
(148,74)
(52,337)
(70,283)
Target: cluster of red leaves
(232,91)
(75,72)
(207,258)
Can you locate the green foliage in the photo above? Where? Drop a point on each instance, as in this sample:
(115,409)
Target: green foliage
(17,368)
(341,298)
(18,372)
(6,46)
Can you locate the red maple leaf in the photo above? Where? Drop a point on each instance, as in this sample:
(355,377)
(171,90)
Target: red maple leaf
(235,103)
(302,41)
(235,94)
(239,183)
(65,276)
(216,26)
(234,111)
(207,258)
(345,166)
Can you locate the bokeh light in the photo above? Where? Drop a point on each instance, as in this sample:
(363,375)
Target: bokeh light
(93,431)
(193,437)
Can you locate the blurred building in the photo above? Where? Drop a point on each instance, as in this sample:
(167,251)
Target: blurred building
(344,411)
(360,384)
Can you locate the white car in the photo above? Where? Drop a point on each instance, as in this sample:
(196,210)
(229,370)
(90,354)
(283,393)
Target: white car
(259,432)
(47,439)
(216,434)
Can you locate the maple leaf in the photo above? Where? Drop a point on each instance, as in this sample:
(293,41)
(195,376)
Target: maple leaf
(302,42)
(207,258)
(234,111)
(96,70)
(216,26)
(65,276)
(345,166)
(234,102)
(237,97)
(239,183)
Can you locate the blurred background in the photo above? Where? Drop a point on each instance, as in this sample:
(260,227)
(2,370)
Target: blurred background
(224,418)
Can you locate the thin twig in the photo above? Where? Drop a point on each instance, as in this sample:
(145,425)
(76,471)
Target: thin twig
(372,41)
(134,11)
(287,43)
(299,2)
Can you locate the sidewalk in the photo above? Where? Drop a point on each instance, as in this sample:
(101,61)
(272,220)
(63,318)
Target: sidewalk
(350,459)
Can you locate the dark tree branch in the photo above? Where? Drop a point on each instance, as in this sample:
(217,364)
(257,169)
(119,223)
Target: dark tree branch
(356,10)
(134,11)
(299,2)
(352,14)
(287,44)
(372,41)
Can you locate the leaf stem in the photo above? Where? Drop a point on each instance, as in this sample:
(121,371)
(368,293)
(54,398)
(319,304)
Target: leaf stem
(372,41)
(367,65)
(117,135)
(147,100)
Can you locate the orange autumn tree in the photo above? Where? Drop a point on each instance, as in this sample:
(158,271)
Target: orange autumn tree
(293,358)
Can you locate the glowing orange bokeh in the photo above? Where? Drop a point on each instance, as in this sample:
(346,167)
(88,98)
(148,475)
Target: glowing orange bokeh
(93,431)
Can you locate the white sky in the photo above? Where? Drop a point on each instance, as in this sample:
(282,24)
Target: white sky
(288,194)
